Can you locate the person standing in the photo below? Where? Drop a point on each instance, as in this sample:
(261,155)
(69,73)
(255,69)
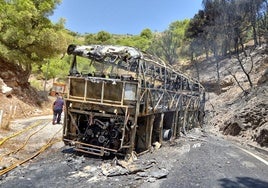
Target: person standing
(57,109)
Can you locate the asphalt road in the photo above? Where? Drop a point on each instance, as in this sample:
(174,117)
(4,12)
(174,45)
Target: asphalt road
(217,163)
(198,160)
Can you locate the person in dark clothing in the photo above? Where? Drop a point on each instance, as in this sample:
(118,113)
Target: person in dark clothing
(57,109)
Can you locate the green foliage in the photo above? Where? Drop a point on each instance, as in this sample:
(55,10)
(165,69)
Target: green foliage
(56,67)
(147,34)
(178,27)
(36,84)
(225,25)
(103,36)
(167,44)
(90,39)
(141,41)
(135,41)
(27,35)
(29,39)
(85,66)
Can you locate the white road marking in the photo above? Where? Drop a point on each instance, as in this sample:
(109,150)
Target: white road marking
(252,154)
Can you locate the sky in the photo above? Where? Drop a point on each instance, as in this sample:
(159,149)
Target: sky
(123,16)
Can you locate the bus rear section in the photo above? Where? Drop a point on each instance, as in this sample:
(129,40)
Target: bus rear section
(121,100)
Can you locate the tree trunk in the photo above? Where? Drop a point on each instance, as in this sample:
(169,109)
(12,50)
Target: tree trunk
(244,70)
(218,75)
(195,65)
(242,46)
(18,79)
(255,34)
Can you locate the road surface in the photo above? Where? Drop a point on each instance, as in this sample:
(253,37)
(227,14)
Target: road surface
(199,159)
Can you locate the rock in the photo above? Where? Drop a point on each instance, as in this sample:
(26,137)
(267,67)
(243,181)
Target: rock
(232,128)
(162,173)
(4,88)
(142,174)
(227,81)
(264,78)
(156,145)
(262,137)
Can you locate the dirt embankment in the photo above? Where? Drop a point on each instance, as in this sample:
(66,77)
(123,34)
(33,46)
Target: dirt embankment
(239,115)
(244,118)
(16,103)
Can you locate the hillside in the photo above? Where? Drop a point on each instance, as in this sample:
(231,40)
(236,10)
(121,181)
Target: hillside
(229,112)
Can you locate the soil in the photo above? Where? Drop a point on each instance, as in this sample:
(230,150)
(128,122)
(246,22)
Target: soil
(15,108)
(238,115)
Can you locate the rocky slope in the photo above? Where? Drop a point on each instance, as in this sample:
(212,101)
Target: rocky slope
(242,116)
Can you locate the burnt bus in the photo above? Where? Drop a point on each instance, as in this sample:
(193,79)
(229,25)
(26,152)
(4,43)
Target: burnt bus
(122,100)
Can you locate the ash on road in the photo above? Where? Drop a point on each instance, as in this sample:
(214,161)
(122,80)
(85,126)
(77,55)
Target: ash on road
(199,159)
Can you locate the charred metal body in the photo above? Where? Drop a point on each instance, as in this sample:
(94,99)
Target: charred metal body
(126,100)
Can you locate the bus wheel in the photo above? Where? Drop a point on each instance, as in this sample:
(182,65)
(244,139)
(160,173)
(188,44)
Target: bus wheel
(167,133)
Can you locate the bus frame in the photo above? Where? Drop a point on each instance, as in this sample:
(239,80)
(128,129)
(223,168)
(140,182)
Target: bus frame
(145,101)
